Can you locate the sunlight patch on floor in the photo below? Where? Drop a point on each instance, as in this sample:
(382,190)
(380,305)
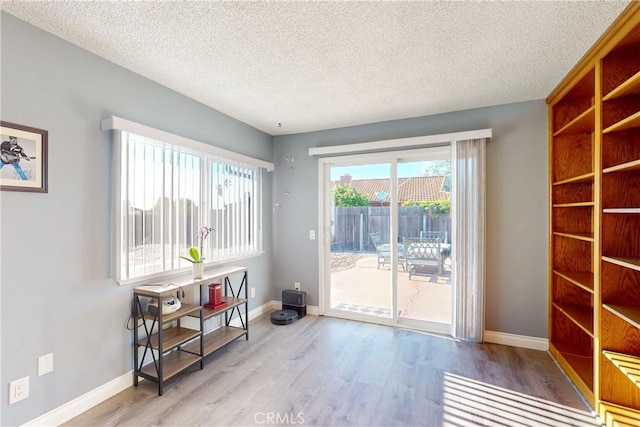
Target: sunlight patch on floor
(469,402)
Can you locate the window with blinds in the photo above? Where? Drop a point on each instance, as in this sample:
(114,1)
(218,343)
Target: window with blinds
(167,193)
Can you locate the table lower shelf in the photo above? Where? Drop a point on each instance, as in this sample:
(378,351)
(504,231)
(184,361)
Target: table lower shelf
(171,337)
(216,339)
(173,363)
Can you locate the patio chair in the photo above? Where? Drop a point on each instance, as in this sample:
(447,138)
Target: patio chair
(423,256)
(383,251)
(442,235)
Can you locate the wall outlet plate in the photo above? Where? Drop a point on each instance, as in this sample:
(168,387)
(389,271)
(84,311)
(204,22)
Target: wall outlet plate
(18,390)
(296,286)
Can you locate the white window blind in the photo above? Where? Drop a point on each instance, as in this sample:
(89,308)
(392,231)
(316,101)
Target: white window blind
(166,193)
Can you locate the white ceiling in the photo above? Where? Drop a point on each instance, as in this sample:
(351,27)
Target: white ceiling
(322,65)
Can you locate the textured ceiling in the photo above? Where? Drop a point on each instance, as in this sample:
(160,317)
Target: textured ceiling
(321,65)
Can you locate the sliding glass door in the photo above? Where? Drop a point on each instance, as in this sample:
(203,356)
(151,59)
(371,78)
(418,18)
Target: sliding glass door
(375,209)
(361,252)
(424,285)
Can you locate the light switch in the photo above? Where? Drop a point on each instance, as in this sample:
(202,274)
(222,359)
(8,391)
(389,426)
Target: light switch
(45,364)
(312,234)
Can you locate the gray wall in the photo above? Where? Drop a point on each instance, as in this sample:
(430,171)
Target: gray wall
(56,291)
(517,219)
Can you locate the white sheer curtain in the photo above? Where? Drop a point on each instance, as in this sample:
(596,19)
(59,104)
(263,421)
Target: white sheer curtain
(468,234)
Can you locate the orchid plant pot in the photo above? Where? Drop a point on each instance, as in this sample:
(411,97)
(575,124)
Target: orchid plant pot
(198,270)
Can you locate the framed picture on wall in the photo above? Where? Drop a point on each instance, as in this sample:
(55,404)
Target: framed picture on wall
(23,158)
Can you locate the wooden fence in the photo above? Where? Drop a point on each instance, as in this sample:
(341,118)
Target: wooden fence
(352,226)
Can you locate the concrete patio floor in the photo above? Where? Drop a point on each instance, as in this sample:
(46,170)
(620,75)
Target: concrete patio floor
(366,289)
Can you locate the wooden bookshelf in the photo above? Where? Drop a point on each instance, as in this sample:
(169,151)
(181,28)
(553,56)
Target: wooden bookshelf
(631,122)
(583,279)
(580,178)
(584,123)
(618,416)
(628,365)
(633,263)
(579,367)
(629,314)
(594,174)
(580,315)
(629,87)
(587,237)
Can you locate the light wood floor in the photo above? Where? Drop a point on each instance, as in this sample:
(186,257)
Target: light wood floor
(332,372)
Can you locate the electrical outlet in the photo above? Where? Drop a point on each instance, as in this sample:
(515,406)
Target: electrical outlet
(296,285)
(253,292)
(18,390)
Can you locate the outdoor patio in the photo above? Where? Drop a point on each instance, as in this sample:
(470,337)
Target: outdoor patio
(358,285)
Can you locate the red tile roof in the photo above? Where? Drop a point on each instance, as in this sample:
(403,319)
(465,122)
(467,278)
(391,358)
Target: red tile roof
(417,189)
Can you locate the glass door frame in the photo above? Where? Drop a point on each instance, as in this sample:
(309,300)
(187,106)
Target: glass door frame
(433,152)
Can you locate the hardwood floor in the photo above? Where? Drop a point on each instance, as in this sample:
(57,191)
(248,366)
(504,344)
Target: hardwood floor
(334,372)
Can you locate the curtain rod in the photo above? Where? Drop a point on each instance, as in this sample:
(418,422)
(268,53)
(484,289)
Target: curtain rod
(117,123)
(416,141)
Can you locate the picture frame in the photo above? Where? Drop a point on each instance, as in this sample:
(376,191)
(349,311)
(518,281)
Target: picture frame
(23,158)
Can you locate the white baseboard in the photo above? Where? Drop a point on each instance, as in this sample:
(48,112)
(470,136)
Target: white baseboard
(312,310)
(77,406)
(265,308)
(523,341)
